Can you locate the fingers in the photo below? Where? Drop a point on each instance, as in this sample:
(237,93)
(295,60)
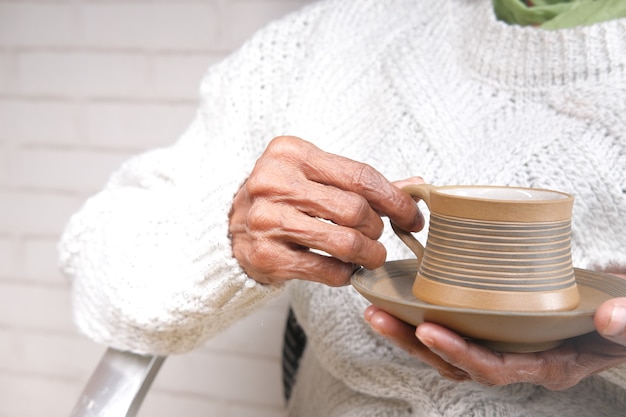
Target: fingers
(459,359)
(481,364)
(276,263)
(356,177)
(325,202)
(408,181)
(403,335)
(555,369)
(292,228)
(300,201)
(274,246)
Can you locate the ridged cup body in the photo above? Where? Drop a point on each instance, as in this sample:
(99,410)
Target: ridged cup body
(498,248)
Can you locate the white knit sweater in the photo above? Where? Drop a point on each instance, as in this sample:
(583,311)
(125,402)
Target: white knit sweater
(436,88)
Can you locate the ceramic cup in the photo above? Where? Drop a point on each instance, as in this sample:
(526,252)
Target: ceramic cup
(495,248)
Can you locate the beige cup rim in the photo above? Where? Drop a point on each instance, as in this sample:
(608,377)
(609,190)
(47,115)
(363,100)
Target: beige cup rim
(501,208)
(443,190)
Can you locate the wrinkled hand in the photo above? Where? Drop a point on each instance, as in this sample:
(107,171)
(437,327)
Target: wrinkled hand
(299,198)
(563,367)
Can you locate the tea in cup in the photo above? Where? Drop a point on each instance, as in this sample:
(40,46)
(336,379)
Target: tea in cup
(495,248)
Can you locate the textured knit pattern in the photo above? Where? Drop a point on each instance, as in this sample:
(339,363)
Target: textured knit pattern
(413,87)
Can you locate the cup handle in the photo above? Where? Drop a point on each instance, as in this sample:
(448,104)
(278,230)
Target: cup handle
(417,191)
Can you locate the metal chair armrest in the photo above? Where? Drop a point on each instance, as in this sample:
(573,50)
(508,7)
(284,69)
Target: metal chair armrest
(118,385)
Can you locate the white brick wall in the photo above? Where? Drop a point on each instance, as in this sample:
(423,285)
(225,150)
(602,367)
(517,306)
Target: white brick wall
(84,84)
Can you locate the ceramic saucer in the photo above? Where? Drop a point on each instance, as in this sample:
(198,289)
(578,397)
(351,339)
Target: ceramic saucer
(389,288)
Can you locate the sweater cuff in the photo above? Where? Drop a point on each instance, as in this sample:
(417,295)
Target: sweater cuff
(157,273)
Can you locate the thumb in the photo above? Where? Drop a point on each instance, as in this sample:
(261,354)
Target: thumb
(408,181)
(610,320)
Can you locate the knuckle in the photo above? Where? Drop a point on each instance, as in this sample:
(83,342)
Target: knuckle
(262,257)
(354,208)
(361,208)
(564,380)
(536,373)
(261,182)
(259,218)
(495,379)
(281,140)
(366,178)
(337,275)
(349,245)
(285,145)
(275,168)
(560,372)
(553,372)
(335,281)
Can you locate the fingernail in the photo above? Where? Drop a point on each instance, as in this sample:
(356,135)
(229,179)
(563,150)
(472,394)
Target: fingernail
(426,340)
(617,321)
(368,313)
(420,222)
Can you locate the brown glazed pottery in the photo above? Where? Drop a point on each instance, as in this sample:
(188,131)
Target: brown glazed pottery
(495,248)
(389,288)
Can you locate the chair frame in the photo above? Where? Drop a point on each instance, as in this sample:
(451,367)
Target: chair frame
(118,385)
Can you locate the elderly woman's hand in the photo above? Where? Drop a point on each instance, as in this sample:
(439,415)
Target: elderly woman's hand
(299,198)
(459,359)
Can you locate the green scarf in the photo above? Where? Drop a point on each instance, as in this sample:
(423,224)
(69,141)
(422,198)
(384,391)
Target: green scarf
(558,14)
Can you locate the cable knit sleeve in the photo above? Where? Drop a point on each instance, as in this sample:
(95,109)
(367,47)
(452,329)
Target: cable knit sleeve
(150,256)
